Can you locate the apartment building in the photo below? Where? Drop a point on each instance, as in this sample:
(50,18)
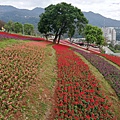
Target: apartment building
(110,34)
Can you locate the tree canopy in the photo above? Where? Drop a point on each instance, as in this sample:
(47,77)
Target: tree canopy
(17,27)
(59,19)
(93,34)
(27,29)
(9,26)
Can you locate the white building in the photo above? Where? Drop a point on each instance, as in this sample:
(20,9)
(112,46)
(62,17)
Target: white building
(117,42)
(110,34)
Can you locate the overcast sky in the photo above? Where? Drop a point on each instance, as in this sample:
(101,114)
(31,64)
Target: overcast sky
(107,8)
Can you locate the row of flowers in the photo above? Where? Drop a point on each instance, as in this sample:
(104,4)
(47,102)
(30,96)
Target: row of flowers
(78,95)
(18,69)
(110,72)
(17,36)
(115,59)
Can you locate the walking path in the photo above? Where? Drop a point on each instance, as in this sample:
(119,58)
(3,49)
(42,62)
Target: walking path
(116,54)
(65,42)
(108,51)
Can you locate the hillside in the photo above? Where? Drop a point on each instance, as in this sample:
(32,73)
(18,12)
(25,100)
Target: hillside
(100,21)
(32,16)
(20,15)
(41,80)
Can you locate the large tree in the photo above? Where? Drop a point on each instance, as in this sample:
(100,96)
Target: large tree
(93,34)
(59,18)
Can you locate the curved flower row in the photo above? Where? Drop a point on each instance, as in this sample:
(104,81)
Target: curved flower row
(112,58)
(77,96)
(18,69)
(110,72)
(16,36)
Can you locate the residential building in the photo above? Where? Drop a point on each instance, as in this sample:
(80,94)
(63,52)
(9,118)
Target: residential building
(117,29)
(110,34)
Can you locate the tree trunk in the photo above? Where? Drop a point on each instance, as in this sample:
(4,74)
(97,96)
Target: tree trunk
(55,39)
(46,37)
(87,45)
(59,39)
(60,33)
(70,39)
(100,48)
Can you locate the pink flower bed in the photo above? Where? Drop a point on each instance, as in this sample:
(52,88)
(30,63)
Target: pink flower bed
(19,66)
(17,36)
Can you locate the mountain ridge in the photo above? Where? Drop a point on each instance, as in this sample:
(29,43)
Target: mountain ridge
(8,12)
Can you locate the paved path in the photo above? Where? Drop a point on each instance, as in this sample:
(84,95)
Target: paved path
(107,50)
(116,54)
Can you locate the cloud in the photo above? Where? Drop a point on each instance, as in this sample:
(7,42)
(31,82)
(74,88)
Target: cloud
(45,3)
(28,4)
(116,3)
(90,2)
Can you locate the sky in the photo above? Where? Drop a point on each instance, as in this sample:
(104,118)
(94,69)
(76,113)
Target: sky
(107,8)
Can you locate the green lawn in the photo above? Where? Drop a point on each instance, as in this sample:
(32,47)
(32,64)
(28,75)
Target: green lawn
(9,42)
(115,51)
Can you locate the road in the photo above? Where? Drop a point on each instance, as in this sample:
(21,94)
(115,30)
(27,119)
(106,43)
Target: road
(108,51)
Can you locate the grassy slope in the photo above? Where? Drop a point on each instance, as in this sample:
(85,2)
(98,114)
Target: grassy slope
(9,42)
(40,101)
(115,51)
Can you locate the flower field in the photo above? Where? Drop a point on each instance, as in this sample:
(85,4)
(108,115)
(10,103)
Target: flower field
(78,95)
(110,72)
(19,67)
(39,80)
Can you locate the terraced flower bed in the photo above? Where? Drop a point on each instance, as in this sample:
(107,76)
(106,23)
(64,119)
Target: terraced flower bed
(27,79)
(78,95)
(5,35)
(19,66)
(110,72)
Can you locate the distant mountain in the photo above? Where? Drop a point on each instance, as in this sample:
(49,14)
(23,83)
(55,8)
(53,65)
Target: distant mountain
(6,8)
(100,21)
(8,13)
